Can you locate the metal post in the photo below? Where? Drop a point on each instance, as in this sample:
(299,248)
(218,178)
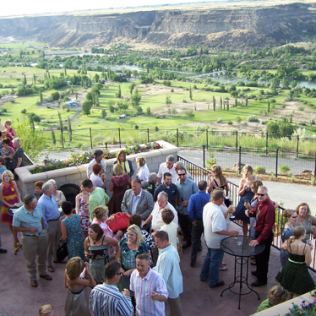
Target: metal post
(239,159)
(207,139)
(148,135)
(276,162)
(90,137)
(106,145)
(267,143)
(177,138)
(297,141)
(315,167)
(203,156)
(119,130)
(236,140)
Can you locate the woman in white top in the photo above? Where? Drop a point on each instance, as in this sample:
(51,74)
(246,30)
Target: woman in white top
(58,195)
(142,171)
(169,226)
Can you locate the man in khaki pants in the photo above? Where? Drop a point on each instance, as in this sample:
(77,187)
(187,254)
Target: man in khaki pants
(28,219)
(51,214)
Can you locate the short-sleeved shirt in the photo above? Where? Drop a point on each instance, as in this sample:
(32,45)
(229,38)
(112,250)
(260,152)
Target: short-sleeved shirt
(129,256)
(92,163)
(157,221)
(96,180)
(213,221)
(143,288)
(23,218)
(172,230)
(171,191)
(185,190)
(97,197)
(49,207)
(163,169)
(18,154)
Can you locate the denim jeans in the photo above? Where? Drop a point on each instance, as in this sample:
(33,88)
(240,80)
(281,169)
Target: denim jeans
(211,265)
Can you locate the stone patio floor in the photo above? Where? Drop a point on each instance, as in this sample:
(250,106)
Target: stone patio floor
(18,298)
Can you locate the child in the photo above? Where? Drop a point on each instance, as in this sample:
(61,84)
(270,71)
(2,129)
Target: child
(276,295)
(77,303)
(101,218)
(169,226)
(46,310)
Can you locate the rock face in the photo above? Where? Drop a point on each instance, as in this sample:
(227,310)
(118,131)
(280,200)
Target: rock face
(233,28)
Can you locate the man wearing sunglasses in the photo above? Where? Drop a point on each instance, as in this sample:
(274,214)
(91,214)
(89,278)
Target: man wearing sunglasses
(106,299)
(264,212)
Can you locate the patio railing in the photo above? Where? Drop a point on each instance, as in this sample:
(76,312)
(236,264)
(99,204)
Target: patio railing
(199,173)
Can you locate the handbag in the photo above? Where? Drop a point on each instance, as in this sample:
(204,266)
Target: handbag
(120,222)
(62,251)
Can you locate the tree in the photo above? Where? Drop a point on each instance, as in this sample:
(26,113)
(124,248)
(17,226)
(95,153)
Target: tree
(268,106)
(189,114)
(61,129)
(190,93)
(246,100)
(96,78)
(69,130)
(131,88)
(24,82)
(41,97)
(103,113)
(65,72)
(86,107)
(135,99)
(34,79)
(227,104)
(53,136)
(55,95)
(148,111)
(221,103)
(214,104)
(236,102)
(168,100)
(76,95)
(33,141)
(139,110)
(119,92)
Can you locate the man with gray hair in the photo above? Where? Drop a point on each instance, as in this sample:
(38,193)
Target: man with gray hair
(168,166)
(98,158)
(155,216)
(150,185)
(51,216)
(264,212)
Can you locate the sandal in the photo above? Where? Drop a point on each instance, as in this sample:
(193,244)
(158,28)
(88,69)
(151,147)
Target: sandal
(50,269)
(223,269)
(17,248)
(46,277)
(34,283)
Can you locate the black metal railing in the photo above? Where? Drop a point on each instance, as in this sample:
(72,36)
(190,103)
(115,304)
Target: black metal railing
(199,173)
(27,160)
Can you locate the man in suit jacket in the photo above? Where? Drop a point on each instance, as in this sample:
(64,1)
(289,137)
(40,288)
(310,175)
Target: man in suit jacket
(137,201)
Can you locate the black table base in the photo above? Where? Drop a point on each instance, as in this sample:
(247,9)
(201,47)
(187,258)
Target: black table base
(241,279)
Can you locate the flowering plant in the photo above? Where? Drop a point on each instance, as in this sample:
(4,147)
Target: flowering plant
(306,309)
(86,157)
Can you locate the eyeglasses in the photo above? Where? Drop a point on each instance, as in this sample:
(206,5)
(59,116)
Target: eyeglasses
(294,217)
(261,194)
(120,273)
(181,174)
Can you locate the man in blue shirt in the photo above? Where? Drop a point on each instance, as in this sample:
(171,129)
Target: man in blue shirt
(28,219)
(195,209)
(186,188)
(51,215)
(168,187)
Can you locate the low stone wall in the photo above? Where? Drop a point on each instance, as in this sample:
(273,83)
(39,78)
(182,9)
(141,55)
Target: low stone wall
(76,174)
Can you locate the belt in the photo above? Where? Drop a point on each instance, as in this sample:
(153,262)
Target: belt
(33,236)
(53,220)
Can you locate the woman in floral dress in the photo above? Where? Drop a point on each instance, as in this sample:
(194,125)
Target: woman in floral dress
(82,209)
(72,232)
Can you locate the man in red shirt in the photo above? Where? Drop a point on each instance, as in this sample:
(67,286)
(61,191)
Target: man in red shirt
(265,216)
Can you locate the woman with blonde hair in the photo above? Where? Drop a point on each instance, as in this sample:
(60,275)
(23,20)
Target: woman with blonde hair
(126,164)
(129,248)
(77,303)
(291,218)
(142,171)
(306,219)
(10,197)
(118,185)
(246,196)
(294,275)
(218,180)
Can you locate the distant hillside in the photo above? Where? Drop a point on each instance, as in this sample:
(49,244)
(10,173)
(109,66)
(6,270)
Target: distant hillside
(231,26)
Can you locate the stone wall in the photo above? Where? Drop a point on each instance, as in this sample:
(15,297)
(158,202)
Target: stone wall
(76,174)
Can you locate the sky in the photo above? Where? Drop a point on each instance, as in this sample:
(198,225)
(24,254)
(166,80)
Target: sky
(26,7)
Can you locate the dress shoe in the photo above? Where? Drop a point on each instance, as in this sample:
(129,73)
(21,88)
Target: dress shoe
(50,269)
(3,250)
(192,264)
(254,272)
(219,283)
(34,283)
(46,277)
(186,245)
(258,283)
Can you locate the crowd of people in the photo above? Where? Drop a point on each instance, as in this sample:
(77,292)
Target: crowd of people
(136,269)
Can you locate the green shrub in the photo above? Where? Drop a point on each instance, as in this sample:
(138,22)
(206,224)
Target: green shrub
(284,169)
(271,175)
(238,119)
(219,120)
(292,179)
(260,169)
(301,108)
(313,181)
(184,101)
(253,118)
(230,123)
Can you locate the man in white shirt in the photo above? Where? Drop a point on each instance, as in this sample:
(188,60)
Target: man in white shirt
(168,266)
(214,232)
(98,158)
(168,166)
(155,216)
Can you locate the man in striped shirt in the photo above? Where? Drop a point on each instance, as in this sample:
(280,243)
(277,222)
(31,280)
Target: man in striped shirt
(106,299)
(149,287)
